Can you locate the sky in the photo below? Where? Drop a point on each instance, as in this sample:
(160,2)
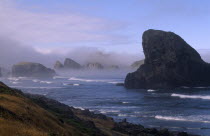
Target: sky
(61,27)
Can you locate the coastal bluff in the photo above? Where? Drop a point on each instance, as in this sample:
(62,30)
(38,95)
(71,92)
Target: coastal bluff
(169,63)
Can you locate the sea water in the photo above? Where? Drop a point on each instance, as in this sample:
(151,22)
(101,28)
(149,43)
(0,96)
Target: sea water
(185,109)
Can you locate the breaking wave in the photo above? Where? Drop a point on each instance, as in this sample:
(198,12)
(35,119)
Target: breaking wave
(202,119)
(191,96)
(151,90)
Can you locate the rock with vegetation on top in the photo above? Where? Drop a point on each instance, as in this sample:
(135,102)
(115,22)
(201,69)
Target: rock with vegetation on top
(71,64)
(58,65)
(169,63)
(30,69)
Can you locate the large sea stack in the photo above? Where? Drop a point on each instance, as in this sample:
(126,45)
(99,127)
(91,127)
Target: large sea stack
(169,63)
(30,69)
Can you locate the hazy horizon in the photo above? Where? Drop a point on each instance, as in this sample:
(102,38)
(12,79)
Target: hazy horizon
(47,31)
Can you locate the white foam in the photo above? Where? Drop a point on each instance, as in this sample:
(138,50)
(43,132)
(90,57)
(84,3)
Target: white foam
(201,119)
(66,84)
(207,97)
(151,90)
(35,80)
(79,108)
(59,77)
(46,82)
(93,80)
(85,80)
(109,111)
(122,115)
(125,102)
(13,79)
(113,82)
(15,82)
(32,87)
(200,87)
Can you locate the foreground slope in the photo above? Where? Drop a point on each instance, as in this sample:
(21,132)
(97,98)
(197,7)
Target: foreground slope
(35,115)
(169,63)
(21,116)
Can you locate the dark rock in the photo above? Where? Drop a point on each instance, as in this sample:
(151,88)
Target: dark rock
(169,63)
(137,64)
(182,134)
(29,69)
(119,84)
(58,65)
(94,66)
(71,64)
(164,132)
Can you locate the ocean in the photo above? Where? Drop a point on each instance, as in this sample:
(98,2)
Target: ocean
(185,109)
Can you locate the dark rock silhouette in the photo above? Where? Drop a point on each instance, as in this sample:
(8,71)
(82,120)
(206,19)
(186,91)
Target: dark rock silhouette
(30,69)
(58,65)
(137,64)
(169,63)
(71,64)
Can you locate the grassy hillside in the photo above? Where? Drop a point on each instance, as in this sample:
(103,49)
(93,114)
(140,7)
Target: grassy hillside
(21,116)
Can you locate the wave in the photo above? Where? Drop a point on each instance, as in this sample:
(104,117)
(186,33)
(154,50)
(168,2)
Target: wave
(79,108)
(59,77)
(15,82)
(93,80)
(32,87)
(125,102)
(108,111)
(200,119)
(46,82)
(66,84)
(35,80)
(43,82)
(151,90)
(13,78)
(123,115)
(85,80)
(113,82)
(191,96)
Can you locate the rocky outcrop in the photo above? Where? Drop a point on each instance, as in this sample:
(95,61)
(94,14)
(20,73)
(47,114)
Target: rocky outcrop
(58,65)
(30,69)
(94,66)
(71,64)
(137,64)
(169,63)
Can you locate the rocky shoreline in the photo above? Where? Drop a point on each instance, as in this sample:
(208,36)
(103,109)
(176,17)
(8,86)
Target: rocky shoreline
(118,128)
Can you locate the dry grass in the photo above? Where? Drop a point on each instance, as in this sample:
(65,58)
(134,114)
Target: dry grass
(15,128)
(24,117)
